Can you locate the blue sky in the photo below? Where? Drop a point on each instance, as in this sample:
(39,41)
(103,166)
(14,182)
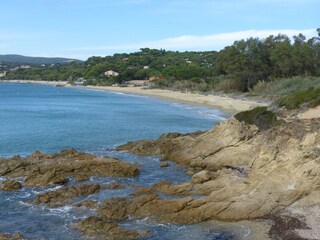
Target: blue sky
(83,28)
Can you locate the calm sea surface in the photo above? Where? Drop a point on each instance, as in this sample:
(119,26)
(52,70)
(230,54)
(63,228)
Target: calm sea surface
(49,119)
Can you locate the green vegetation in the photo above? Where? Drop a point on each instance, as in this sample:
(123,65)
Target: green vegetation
(306,98)
(285,86)
(253,65)
(259,116)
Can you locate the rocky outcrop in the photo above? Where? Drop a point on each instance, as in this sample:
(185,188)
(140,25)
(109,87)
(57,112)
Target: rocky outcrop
(46,169)
(10,185)
(14,236)
(241,171)
(106,230)
(66,194)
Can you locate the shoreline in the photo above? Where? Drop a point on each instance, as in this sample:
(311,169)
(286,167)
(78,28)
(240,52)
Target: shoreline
(224,103)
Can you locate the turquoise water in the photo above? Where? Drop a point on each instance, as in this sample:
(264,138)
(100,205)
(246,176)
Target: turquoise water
(49,119)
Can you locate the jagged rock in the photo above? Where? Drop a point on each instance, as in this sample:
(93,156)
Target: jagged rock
(201,177)
(253,172)
(65,194)
(10,185)
(45,169)
(106,230)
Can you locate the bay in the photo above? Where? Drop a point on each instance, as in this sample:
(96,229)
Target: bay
(50,119)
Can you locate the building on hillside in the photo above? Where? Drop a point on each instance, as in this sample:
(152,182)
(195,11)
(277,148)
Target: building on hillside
(3,74)
(140,83)
(79,82)
(111,73)
(25,66)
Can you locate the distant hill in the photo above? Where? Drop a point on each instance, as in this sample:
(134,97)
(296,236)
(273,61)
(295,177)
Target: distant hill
(13,58)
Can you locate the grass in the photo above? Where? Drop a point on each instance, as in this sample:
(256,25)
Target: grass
(282,87)
(306,98)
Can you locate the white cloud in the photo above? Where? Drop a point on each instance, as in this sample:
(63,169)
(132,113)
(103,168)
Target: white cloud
(205,42)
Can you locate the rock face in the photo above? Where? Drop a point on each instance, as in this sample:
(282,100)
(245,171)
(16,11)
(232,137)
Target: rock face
(45,169)
(246,172)
(10,185)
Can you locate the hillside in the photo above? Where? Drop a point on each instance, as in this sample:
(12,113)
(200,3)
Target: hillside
(251,64)
(19,59)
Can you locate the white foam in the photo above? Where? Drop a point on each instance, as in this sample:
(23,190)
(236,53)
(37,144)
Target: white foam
(64,209)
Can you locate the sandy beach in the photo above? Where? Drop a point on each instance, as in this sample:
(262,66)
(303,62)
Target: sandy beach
(224,103)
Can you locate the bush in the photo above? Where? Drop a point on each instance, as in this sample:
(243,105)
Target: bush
(259,116)
(309,98)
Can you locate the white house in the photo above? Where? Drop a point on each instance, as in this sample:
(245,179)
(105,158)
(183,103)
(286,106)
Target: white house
(111,73)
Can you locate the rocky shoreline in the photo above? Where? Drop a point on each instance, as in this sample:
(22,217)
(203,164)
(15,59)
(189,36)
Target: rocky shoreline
(266,171)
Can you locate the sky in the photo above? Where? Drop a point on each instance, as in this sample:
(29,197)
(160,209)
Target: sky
(83,28)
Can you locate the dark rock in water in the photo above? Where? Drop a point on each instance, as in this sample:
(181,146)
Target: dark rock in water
(67,193)
(114,186)
(164,165)
(102,229)
(48,178)
(45,169)
(82,177)
(10,185)
(14,236)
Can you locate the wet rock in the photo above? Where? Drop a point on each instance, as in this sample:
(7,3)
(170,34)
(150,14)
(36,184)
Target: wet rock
(102,229)
(49,177)
(81,178)
(190,172)
(164,165)
(66,194)
(45,169)
(114,186)
(14,236)
(10,185)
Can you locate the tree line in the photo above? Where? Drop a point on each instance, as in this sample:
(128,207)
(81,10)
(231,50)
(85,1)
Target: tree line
(238,67)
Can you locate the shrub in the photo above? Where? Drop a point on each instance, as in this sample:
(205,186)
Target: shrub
(309,98)
(259,116)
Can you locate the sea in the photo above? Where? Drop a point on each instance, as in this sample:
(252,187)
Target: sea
(49,119)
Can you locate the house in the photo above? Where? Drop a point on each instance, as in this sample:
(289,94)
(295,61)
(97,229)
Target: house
(79,82)
(3,74)
(140,83)
(25,66)
(111,73)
